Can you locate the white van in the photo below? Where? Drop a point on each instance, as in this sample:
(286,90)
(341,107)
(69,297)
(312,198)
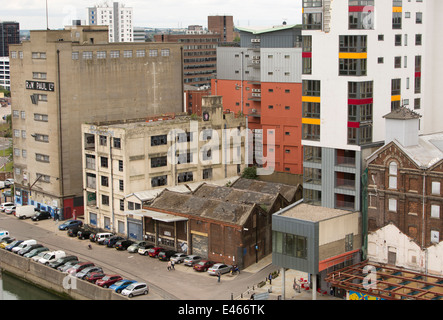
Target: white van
(4,234)
(23,245)
(52,256)
(101,237)
(23,212)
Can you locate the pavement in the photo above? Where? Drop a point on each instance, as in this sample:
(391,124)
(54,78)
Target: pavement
(252,280)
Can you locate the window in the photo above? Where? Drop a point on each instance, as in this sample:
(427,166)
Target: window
(393,171)
(159,181)
(140,53)
(418,39)
(185,177)
(127,53)
(312,21)
(87,55)
(435,187)
(41,157)
(419,17)
(105,200)
(101,54)
(159,162)
(165,52)
(104,181)
(104,162)
(207,174)
(289,244)
(75,55)
(393,205)
(397,62)
(159,140)
(103,140)
(117,143)
(115,54)
(435,211)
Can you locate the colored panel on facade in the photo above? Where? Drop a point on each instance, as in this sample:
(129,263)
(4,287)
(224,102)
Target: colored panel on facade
(311,121)
(395,98)
(360,101)
(310,99)
(353,55)
(307,55)
(353,295)
(418,74)
(361,8)
(353,124)
(397,9)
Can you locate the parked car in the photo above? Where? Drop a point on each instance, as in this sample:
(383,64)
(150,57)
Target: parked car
(203,265)
(123,244)
(120,285)
(94,276)
(42,215)
(10,210)
(153,252)
(68,265)
(5,241)
(34,252)
(135,289)
(219,267)
(136,245)
(191,260)
(179,257)
(144,250)
(69,224)
(26,211)
(101,237)
(39,256)
(87,271)
(72,232)
(108,280)
(79,267)
(9,182)
(61,261)
(24,251)
(52,256)
(4,205)
(166,255)
(84,234)
(24,244)
(112,241)
(13,244)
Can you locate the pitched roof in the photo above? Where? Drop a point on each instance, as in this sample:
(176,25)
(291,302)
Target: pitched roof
(402,113)
(287,191)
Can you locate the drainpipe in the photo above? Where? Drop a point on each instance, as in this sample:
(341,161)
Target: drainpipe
(60,137)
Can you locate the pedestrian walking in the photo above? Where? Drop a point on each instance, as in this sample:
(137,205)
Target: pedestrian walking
(270,278)
(169,265)
(218,275)
(172,265)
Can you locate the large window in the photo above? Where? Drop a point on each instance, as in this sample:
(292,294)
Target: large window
(312,21)
(290,245)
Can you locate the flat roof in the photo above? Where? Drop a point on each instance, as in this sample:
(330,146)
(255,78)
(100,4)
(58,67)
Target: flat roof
(312,213)
(155,215)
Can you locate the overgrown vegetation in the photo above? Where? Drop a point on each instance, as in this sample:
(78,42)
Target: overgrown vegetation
(249,173)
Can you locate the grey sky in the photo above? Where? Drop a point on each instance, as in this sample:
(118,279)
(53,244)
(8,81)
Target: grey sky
(31,14)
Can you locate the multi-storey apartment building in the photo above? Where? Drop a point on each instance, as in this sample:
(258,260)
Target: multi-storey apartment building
(262,79)
(123,157)
(63,78)
(361,59)
(117,17)
(223,25)
(5,77)
(200,54)
(9,34)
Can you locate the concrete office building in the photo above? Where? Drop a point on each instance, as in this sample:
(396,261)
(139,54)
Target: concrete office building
(63,78)
(121,158)
(117,17)
(361,60)
(262,79)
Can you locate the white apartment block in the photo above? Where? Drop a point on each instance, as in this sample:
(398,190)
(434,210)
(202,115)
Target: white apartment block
(362,59)
(5,78)
(117,17)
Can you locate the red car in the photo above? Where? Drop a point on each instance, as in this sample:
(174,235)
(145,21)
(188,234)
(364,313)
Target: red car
(108,280)
(203,265)
(153,252)
(93,277)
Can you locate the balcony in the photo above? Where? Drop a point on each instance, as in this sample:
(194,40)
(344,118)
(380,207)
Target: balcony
(255,96)
(345,202)
(345,180)
(345,158)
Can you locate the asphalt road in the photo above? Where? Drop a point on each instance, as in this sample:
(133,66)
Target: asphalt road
(181,284)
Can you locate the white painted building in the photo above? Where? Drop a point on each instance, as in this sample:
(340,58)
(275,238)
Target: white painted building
(117,17)
(5,78)
(361,59)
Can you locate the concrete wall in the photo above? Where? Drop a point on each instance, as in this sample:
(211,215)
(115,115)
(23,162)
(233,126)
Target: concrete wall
(53,280)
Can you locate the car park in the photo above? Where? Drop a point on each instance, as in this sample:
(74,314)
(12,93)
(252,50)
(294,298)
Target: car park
(61,261)
(120,285)
(51,256)
(23,245)
(3,206)
(219,268)
(29,248)
(13,244)
(191,260)
(135,289)
(179,257)
(123,244)
(110,242)
(41,215)
(86,271)
(79,267)
(94,276)
(136,245)
(203,265)
(153,252)
(35,252)
(69,224)
(166,255)
(108,280)
(144,250)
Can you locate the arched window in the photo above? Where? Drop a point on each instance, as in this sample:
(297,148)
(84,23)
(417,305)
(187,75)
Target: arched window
(393,169)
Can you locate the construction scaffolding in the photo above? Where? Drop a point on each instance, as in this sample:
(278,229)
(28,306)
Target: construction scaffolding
(387,282)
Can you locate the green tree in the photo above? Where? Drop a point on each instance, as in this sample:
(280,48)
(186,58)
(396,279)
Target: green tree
(249,173)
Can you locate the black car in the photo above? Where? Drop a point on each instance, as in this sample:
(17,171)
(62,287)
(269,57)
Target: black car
(112,241)
(72,232)
(61,261)
(166,255)
(29,248)
(123,244)
(42,215)
(84,234)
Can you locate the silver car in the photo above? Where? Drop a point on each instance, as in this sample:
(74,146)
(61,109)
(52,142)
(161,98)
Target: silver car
(219,267)
(178,257)
(191,260)
(135,246)
(135,289)
(83,273)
